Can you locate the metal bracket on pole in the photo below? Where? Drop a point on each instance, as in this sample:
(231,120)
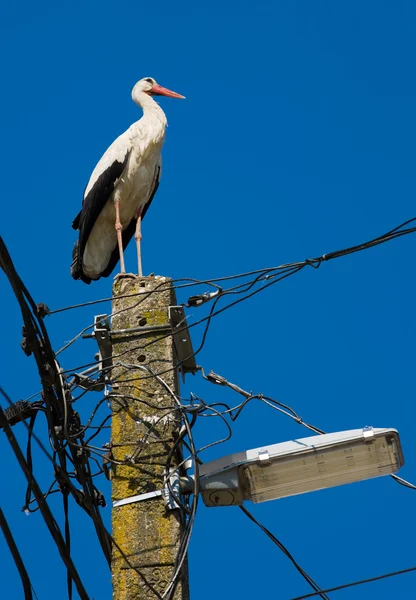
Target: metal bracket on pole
(182,341)
(102,334)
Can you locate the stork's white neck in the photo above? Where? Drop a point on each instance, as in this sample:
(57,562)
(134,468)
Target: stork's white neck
(153,115)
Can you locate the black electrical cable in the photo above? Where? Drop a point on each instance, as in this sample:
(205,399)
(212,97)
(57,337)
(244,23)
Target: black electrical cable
(219,380)
(360,582)
(67,540)
(274,539)
(275,274)
(275,404)
(185,539)
(86,499)
(269,271)
(90,503)
(294,267)
(28,454)
(44,508)
(36,342)
(192,282)
(58,410)
(36,334)
(99,429)
(60,473)
(30,501)
(27,585)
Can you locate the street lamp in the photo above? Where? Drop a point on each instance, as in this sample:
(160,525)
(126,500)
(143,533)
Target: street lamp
(298,466)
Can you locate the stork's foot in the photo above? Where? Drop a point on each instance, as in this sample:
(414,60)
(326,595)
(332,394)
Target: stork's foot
(125,276)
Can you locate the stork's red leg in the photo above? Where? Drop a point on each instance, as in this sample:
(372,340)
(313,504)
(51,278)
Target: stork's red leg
(138,238)
(119,229)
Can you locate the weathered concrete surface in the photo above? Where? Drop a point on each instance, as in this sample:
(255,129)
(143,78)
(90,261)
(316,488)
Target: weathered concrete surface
(143,434)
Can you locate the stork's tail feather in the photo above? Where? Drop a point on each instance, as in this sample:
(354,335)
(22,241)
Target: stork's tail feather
(76,266)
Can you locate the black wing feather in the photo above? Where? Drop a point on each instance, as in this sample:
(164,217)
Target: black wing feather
(75,222)
(92,206)
(97,197)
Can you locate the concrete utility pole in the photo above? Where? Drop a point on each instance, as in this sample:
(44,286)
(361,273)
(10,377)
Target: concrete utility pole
(148,534)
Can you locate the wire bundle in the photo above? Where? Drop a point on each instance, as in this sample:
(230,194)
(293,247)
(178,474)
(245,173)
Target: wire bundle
(76,461)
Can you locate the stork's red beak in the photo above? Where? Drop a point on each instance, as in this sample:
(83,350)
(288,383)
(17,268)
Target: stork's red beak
(158,90)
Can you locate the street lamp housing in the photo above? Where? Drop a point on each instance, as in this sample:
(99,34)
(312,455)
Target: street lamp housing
(300,466)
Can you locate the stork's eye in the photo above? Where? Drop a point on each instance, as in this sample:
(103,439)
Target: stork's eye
(149,80)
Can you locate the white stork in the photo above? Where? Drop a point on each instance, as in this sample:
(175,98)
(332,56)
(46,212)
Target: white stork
(121,189)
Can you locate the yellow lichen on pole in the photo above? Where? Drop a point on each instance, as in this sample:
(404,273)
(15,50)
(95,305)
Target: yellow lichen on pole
(145,424)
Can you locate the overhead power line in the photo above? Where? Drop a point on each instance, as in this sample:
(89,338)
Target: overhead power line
(312,583)
(44,508)
(71,438)
(355,583)
(264,274)
(262,279)
(27,585)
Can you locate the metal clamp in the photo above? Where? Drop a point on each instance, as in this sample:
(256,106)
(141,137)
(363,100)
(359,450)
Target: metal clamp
(368,433)
(168,498)
(263,458)
(182,341)
(102,334)
(138,498)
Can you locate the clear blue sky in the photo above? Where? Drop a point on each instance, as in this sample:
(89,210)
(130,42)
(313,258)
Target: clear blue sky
(297,138)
